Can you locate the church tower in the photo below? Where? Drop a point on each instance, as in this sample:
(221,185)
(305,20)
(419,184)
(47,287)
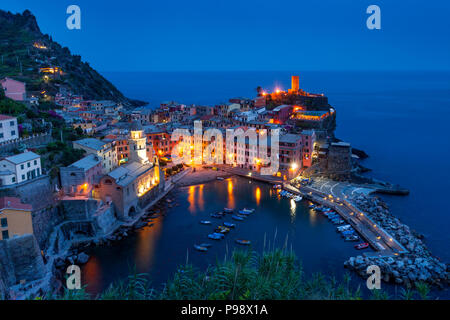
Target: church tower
(137,143)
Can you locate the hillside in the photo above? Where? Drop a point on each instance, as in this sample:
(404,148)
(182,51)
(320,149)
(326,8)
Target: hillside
(30,56)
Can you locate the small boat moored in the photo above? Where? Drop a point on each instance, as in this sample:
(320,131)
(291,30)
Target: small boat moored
(200,248)
(215,215)
(205,222)
(237,218)
(243,242)
(351,238)
(215,236)
(229,224)
(227,210)
(363,245)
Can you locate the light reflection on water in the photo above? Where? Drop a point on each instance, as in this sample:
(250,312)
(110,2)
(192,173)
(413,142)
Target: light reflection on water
(159,249)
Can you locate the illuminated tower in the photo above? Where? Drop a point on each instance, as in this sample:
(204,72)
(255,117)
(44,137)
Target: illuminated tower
(137,143)
(295,87)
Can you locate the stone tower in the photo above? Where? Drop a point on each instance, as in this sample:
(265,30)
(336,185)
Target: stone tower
(137,143)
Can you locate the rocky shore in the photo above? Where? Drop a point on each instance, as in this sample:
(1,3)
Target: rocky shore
(417,265)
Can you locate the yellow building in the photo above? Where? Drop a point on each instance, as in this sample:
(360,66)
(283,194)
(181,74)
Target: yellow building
(15,218)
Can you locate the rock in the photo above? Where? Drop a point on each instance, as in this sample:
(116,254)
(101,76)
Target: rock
(82,258)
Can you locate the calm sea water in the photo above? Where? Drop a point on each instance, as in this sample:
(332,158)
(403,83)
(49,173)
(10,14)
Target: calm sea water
(399,118)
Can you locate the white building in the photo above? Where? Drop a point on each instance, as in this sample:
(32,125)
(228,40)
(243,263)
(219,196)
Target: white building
(104,150)
(8,128)
(20,168)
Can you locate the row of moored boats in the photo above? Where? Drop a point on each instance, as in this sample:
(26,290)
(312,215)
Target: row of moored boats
(346,230)
(290,195)
(221,230)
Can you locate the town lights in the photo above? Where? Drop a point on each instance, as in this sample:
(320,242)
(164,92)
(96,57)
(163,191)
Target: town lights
(294,166)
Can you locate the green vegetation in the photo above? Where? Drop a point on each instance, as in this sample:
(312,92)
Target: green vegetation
(274,275)
(24,50)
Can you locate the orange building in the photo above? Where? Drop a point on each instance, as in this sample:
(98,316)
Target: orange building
(15,218)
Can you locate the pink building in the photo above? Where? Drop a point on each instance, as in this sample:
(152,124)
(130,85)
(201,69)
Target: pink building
(14,89)
(308,140)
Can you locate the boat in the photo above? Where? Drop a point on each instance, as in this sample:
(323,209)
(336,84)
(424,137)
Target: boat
(363,245)
(298,198)
(277,186)
(229,224)
(205,222)
(338,221)
(215,215)
(243,242)
(342,228)
(311,206)
(243,212)
(215,236)
(227,210)
(348,233)
(200,248)
(206,245)
(219,178)
(237,218)
(222,229)
(351,238)
(249,210)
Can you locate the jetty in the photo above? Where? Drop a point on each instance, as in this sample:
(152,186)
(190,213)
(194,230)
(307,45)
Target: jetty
(382,242)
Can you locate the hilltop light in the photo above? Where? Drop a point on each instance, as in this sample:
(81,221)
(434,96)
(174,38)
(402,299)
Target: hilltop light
(277,90)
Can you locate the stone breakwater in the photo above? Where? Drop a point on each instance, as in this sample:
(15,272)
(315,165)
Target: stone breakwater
(417,265)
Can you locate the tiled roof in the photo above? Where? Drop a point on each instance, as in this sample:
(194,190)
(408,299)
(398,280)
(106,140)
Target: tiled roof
(14,203)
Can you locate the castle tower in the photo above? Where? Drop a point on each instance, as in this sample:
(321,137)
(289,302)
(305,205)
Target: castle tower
(137,143)
(295,84)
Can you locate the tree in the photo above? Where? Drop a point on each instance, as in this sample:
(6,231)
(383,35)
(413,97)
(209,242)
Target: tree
(2,93)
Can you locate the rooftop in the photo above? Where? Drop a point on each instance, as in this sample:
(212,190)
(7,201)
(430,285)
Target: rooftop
(14,203)
(91,143)
(22,157)
(87,162)
(289,138)
(5,117)
(127,173)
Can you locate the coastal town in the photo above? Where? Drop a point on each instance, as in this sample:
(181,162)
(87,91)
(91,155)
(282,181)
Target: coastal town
(78,172)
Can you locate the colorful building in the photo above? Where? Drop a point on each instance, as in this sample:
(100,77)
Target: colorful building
(104,150)
(15,218)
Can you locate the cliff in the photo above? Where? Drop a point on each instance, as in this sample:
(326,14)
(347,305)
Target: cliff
(25,52)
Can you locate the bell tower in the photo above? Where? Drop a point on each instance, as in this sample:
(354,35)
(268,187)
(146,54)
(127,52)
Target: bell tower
(137,143)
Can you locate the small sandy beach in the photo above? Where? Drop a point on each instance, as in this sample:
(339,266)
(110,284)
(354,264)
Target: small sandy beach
(201,175)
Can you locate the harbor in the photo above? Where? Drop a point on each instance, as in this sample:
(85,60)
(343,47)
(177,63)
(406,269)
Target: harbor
(169,242)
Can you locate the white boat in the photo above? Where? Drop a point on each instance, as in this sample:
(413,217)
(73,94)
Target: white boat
(298,198)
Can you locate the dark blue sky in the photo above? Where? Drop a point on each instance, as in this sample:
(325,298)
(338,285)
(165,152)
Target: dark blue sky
(149,35)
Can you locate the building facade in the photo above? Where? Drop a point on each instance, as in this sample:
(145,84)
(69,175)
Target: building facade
(8,128)
(79,178)
(15,218)
(104,150)
(134,184)
(20,168)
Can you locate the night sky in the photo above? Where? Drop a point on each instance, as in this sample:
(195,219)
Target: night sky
(244,35)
